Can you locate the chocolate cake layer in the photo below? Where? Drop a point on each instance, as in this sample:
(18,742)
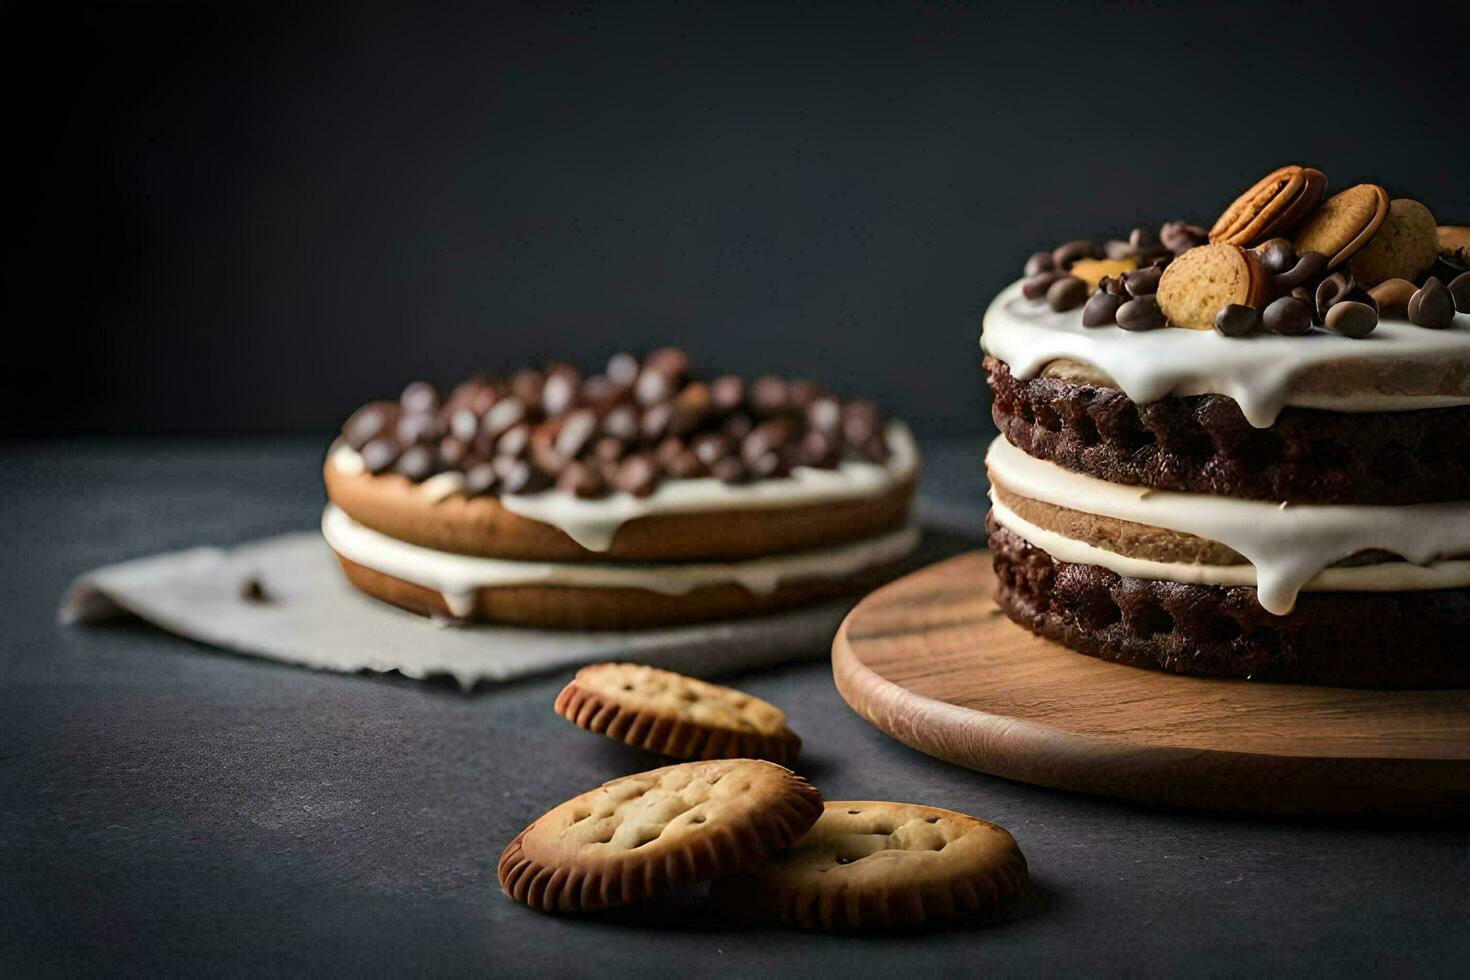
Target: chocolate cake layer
(1342,639)
(1203,444)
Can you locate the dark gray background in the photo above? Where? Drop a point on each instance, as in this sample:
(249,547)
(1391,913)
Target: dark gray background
(250,216)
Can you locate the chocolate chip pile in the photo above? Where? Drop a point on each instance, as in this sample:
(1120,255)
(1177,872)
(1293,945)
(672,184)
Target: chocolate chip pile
(628,428)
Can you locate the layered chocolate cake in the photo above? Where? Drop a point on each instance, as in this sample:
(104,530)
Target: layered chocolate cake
(641,495)
(1242,452)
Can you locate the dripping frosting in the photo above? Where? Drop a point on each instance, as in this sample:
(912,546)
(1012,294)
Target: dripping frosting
(1289,548)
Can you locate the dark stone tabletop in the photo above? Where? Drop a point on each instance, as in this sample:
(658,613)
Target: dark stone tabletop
(167,808)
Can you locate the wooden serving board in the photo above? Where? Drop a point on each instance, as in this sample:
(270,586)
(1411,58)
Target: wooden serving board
(933,662)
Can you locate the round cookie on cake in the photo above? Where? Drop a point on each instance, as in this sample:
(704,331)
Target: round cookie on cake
(1242,452)
(638,496)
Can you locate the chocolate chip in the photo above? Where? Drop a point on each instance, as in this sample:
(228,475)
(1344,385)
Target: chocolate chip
(622,369)
(1305,294)
(1101,310)
(816,448)
(1143,282)
(737,426)
(608,450)
(502,415)
(251,590)
(527,385)
(1113,286)
(711,447)
(621,423)
(668,361)
(768,395)
(1432,306)
(369,422)
(514,442)
(543,448)
(1288,315)
(1352,319)
(1067,293)
(765,439)
(875,449)
(1392,297)
(576,432)
(727,393)
(482,399)
(1116,249)
(637,475)
(581,480)
(1460,292)
(824,414)
(1142,313)
(452,451)
(653,387)
(602,393)
(463,425)
(1036,286)
(419,396)
(691,408)
(480,479)
(418,427)
(379,454)
(860,422)
(1179,237)
(654,424)
(1332,289)
(559,392)
(1079,248)
(729,470)
(1038,263)
(418,463)
(1237,320)
(1277,255)
(1142,239)
(1309,265)
(677,460)
(518,476)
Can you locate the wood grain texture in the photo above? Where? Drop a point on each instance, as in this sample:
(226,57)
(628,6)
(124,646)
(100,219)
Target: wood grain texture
(933,662)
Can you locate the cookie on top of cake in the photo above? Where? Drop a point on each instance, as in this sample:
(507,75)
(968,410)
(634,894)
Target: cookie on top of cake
(1243,451)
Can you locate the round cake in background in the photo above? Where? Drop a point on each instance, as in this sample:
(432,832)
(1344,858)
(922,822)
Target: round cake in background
(642,495)
(1231,457)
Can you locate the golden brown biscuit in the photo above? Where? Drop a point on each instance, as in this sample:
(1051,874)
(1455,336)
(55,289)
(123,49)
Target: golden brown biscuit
(1454,245)
(396,506)
(867,865)
(668,713)
(1344,223)
(1092,271)
(1270,207)
(594,608)
(1404,246)
(640,835)
(1198,283)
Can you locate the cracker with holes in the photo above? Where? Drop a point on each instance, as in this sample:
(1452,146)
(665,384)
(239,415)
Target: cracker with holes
(668,713)
(640,835)
(872,865)
(1200,282)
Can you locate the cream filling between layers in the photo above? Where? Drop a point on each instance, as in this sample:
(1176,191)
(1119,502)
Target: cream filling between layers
(1259,372)
(1290,547)
(594,523)
(458,577)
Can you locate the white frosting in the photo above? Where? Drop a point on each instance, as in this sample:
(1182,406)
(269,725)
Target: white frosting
(1392,576)
(594,523)
(457,577)
(1287,545)
(1257,372)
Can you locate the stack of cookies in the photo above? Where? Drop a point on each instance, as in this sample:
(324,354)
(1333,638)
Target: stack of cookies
(1243,451)
(640,495)
(776,852)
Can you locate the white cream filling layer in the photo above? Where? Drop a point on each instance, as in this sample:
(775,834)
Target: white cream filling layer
(458,577)
(594,523)
(1394,576)
(1287,545)
(1257,372)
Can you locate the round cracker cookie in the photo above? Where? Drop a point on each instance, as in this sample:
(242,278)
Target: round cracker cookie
(1344,223)
(868,864)
(668,713)
(637,836)
(1404,247)
(1198,283)
(1270,207)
